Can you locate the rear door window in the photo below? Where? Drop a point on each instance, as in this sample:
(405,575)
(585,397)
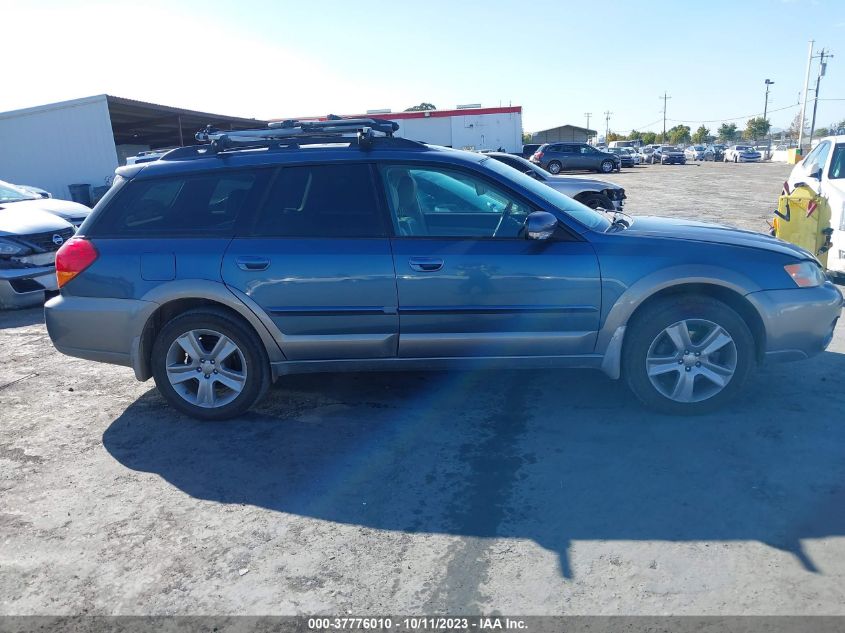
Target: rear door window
(193,205)
(321,201)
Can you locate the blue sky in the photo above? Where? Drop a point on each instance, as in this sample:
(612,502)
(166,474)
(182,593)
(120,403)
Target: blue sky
(556,59)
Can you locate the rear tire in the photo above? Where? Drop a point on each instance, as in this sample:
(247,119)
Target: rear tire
(606,166)
(554,167)
(717,355)
(210,365)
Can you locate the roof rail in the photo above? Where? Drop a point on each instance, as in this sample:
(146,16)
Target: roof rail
(295,131)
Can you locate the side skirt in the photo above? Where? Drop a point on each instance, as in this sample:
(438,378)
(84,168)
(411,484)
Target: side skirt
(585,361)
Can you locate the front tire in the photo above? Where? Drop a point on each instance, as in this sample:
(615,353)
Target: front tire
(596,201)
(688,354)
(210,365)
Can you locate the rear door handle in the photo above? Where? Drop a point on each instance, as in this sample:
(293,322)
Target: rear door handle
(253,264)
(426,264)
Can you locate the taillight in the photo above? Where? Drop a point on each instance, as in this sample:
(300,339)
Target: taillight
(72,258)
(538,155)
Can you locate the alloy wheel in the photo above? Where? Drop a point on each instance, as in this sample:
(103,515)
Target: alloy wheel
(691,360)
(206,368)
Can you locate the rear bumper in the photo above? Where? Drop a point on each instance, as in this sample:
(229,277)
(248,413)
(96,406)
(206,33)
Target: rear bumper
(104,330)
(26,287)
(799,322)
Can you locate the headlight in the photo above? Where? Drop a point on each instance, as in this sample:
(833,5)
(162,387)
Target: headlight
(806,274)
(8,247)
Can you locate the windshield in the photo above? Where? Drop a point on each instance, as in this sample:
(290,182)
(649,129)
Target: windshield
(594,220)
(699,148)
(9,193)
(837,163)
(520,164)
(744,148)
(669,148)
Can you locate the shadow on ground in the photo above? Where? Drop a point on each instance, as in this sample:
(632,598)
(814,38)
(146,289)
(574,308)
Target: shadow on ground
(21,318)
(552,456)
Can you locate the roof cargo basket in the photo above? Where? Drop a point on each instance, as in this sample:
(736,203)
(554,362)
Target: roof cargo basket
(295,132)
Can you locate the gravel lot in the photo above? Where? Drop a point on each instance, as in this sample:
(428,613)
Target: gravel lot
(518,493)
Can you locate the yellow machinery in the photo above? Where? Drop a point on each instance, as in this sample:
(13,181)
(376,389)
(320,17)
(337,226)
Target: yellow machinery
(803,218)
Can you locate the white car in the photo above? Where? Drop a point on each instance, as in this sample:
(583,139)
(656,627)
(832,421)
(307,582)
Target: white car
(589,191)
(742,154)
(19,198)
(823,170)
(694,152)
(635,155)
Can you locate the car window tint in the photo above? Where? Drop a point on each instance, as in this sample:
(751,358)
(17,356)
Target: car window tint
(837,167)
(436,202)
(821,156)
(198,204)
(321,201)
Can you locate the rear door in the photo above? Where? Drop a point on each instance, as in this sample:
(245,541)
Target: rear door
(316,257)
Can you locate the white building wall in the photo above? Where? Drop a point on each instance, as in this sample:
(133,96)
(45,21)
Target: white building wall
(57,145)
(466,131)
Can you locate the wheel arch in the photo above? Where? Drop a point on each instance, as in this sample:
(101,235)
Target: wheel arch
(184,295)
(730,289)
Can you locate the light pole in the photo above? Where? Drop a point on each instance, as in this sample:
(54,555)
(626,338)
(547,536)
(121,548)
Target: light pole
(769,82)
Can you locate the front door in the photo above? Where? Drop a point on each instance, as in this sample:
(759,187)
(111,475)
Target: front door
(469,285)
(317,259)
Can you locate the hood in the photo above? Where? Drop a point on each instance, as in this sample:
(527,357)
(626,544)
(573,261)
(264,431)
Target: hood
(692,230)
(63,208)
(29,221)
(580,182)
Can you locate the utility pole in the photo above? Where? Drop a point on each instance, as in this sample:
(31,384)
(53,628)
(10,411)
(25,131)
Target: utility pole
(804,101)
(665,98)
(588,115)
(607,121)
(822,69)
(769,82)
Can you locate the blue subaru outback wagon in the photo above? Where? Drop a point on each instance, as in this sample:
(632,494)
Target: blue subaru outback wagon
(334,246)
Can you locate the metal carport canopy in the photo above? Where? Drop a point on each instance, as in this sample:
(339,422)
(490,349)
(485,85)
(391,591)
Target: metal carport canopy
(139,122)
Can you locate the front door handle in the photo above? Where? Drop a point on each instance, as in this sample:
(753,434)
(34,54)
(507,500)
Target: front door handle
(426,264)
(253,264)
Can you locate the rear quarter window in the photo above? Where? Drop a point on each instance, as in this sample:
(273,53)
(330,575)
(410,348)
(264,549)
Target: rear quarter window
(187,205)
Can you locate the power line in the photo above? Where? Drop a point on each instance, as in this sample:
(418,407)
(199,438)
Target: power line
(736,118)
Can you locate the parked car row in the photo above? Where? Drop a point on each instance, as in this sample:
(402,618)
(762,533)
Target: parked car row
(32,228)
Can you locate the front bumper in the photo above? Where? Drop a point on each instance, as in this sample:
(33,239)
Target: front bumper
(799,322)
(749,159)
(26,287)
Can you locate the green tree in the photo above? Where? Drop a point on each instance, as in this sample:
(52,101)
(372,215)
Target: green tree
(649,138)
(421,107)
(526,137)
(756,128)
(613,136)
(679,134)
(635,136)
(701,135)
(822,131)
(727,132)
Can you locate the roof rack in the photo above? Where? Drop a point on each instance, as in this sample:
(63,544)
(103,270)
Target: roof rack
(295,132)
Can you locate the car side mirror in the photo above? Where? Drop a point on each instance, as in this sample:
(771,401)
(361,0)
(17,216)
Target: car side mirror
(540,225)
(817,174)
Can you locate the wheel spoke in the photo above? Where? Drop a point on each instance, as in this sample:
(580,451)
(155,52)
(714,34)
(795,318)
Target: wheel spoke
(684,387)
(662,365)
(181,373)
(717,378)
(234,380)
(205,393)
(222,349)
(191,344)
(714,341)
(679,333)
